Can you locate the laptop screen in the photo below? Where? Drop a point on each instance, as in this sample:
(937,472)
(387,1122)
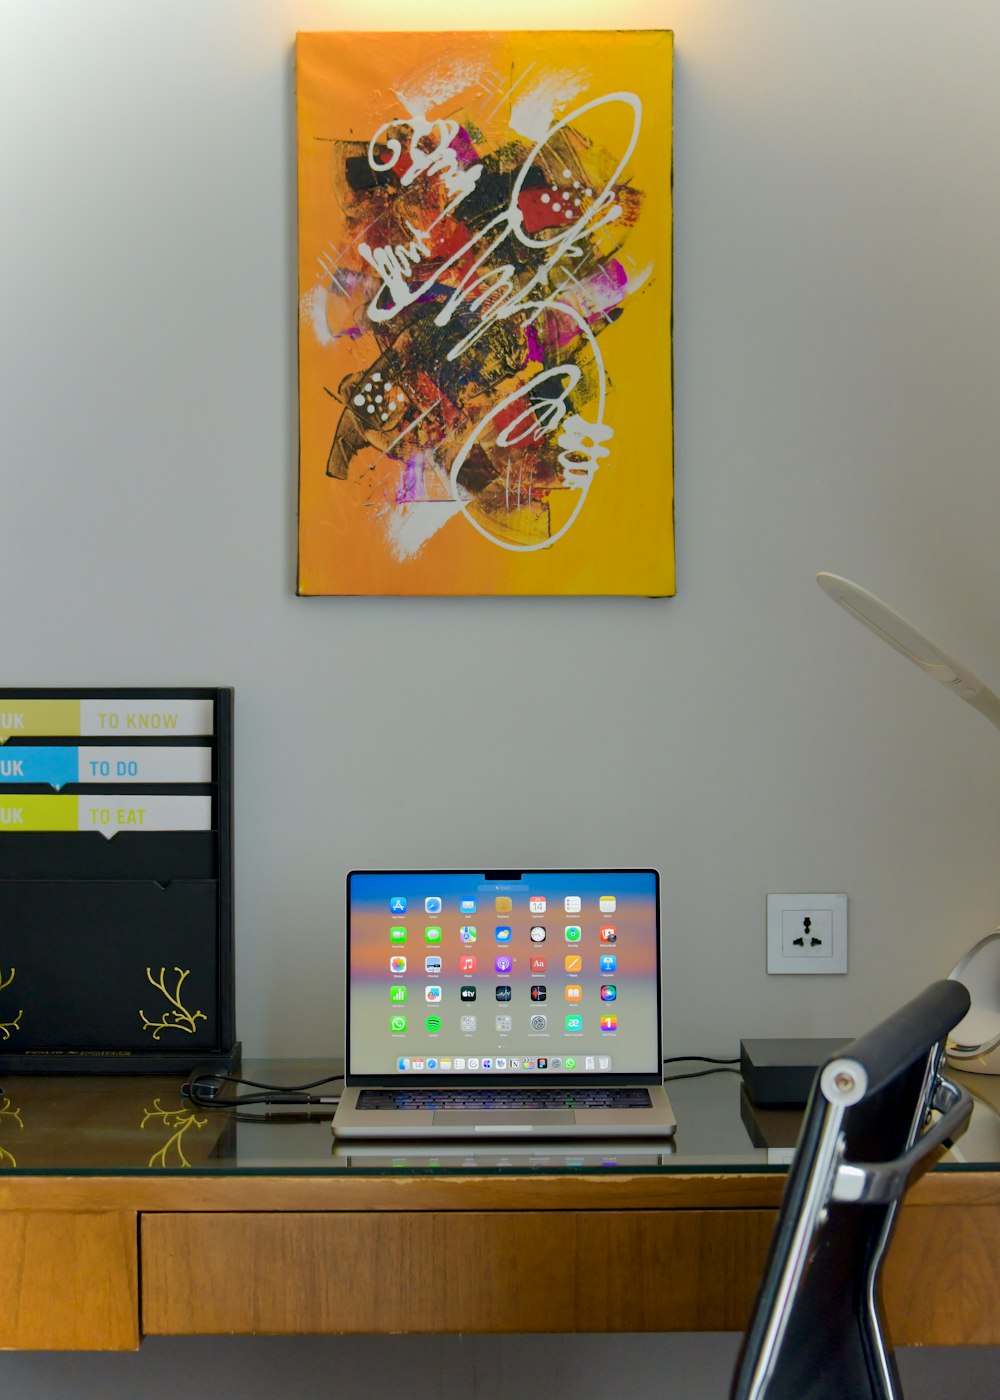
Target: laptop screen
(503,975)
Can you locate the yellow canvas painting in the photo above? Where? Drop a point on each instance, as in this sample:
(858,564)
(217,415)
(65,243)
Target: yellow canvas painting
(485,313)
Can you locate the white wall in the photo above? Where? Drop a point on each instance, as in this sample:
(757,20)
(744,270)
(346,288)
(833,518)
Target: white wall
(836,343)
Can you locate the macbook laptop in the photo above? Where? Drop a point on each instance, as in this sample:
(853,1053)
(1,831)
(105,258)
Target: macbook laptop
(486,1004)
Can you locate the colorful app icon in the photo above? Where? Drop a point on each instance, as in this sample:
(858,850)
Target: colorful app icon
(503,963)
(609,992)
(609,962)
(528,1062)
(467,933)
(417,1064)
(501,1062)
(607,904)
(403,1063)
(474,1062)
(539,1023)
(537,934)
(503,904)
(571,1063)
(572,904)
(539,992)
(432,994)
(536,904)
(609,1024)
(573,933)
(487,1062)
(397,934)
(466,906)
(467,1024)
(432,1063)
(609,934)
(397,964)
(574,1023)
(397,994)
(505,1024)
(432,1024)
(573,991)
(397,1025)
(467,963)
(467,993)
(543,1062)
(538,965)
(397,904)
(446,1062)
(503,991)
(573,962)
(503,934)
(432,933)
(432,904)
(432,963)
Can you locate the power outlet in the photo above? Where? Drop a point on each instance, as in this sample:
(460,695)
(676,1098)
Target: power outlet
(807,933)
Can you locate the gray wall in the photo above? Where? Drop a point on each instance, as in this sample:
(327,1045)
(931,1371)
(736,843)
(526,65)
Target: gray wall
(836,326)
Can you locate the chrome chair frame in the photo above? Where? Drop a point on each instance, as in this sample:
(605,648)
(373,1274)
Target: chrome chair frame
(816,1330)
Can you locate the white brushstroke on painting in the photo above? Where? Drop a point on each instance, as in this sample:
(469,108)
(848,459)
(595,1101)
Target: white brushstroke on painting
(638,279)
(314,310)
(409,527)
(506,95)
(439,84)
(533,112)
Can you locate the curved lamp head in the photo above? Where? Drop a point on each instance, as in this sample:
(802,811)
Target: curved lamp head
(975,1042)
(880,619)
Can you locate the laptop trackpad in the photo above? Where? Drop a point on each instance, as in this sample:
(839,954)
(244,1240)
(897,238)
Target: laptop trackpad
(498,1121)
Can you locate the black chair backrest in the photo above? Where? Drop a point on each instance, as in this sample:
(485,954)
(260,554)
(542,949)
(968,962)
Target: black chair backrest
(815,1332)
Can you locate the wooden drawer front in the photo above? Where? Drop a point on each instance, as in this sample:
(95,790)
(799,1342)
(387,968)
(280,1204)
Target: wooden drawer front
(942,1276)
(529,1271)
(69,1281)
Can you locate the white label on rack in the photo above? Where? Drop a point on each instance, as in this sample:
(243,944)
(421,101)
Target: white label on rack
(114,812)
(155,718)
(145,765)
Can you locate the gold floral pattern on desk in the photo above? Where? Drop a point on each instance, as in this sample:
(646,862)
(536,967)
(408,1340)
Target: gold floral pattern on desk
(177,1121)
(7,1026)
(179,1019)
(8,1113)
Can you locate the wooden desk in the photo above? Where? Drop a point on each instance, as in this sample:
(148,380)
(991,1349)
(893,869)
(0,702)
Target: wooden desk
(126,1214)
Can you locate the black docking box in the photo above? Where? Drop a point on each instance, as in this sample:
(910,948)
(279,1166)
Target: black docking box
(781,1072)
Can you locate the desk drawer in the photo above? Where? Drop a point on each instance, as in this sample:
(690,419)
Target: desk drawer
(496,1271)
(69,1281)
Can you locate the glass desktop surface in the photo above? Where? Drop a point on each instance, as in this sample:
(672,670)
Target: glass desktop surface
(92,1125)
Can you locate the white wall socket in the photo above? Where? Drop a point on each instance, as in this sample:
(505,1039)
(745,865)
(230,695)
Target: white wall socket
(807,933)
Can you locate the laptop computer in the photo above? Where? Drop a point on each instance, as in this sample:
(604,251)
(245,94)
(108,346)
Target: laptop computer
(497,1003)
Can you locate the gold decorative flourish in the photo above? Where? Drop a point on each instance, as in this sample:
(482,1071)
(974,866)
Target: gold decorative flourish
(7,1026)
(7,1159)
(179,1121)
(180,1019)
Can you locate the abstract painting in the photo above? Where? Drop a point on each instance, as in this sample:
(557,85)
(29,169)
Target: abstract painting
(485,367)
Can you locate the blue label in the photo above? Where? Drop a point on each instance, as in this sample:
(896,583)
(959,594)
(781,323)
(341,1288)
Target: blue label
(42,765)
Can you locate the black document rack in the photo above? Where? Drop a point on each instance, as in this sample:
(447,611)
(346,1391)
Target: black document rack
(116,880)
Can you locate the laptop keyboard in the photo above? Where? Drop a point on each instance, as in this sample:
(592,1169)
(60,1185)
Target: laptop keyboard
(487,1099)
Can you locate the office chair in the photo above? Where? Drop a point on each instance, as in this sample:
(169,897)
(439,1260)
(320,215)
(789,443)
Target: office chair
(815,1331)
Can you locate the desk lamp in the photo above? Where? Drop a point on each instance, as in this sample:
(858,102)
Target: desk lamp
(974,1044)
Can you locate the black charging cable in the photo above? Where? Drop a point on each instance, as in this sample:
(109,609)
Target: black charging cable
(718,1066)
(204,1089)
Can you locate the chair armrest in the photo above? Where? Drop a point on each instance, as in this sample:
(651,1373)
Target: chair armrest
(867,1183)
